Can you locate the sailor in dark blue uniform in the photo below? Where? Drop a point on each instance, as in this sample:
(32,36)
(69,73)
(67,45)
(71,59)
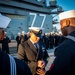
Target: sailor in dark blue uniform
(18,39)
(5,43)
(64,62)
(8,64)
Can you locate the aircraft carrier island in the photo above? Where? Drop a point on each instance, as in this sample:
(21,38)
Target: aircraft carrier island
(27,13)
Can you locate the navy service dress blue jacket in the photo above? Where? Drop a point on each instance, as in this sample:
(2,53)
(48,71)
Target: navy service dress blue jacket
(21,67)
(64,62)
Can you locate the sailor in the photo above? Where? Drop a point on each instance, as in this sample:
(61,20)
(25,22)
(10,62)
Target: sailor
(8,64)
(23,37)
(64,62)
(18,39)
(5,43)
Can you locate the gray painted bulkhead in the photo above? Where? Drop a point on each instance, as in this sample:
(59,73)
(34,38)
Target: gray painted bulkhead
(19,12)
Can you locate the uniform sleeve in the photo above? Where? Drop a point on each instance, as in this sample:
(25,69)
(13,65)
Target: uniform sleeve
(21,52)
(61,63)
(8,40)
(22,68)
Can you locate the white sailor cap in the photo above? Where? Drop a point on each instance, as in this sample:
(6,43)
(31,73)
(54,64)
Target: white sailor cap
(4,21)
(23,32)
(36,30)
(67,14)
(19,33)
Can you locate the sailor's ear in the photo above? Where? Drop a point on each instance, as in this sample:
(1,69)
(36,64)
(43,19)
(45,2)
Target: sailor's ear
(64,23)
(2,35)
(67,23)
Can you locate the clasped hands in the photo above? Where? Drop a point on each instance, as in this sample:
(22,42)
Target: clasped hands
(41,67)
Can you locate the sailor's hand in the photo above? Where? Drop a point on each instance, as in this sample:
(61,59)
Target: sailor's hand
(41,64)
(40,72)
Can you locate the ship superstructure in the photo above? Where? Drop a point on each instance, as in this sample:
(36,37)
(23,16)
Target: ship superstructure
(27,13)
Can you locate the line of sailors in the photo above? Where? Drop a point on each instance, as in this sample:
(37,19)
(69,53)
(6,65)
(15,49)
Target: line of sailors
(49,41)
(21,38)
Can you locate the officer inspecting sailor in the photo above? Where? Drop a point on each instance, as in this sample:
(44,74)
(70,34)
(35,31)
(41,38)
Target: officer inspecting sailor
(31,51)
